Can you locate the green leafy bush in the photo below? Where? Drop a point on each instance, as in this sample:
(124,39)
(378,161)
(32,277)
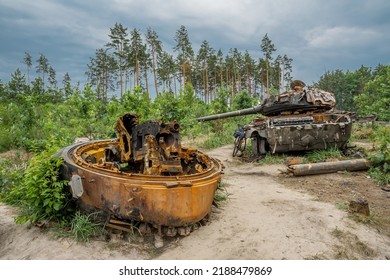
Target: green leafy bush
(375,98)
(42,193)
(380,169)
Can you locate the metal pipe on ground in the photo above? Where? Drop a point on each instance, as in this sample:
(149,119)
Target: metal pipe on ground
(329,167)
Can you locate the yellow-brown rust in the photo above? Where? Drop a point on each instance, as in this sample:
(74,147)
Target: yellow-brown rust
(171,186)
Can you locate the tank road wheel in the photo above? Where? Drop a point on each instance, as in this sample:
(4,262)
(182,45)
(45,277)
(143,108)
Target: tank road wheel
(259,145)
(239,146)
(255,145)
(264,146)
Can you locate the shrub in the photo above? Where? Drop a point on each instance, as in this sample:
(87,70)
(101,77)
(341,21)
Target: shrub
(41,193)
(380,169)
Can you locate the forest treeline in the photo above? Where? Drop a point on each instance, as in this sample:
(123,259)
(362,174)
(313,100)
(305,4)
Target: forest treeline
(132,59)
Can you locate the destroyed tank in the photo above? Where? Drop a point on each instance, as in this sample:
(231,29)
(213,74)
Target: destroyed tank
(143,176)
(302,119)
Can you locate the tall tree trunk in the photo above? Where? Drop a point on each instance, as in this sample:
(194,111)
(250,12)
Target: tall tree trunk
(248,89)
(227,76)
(174,84)
(154,72)
(120,69)
(267,88)
(184,77)
(137,72)
(207,85)
(146,79)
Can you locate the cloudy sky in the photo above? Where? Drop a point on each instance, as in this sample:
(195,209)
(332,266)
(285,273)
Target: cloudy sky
(319,36)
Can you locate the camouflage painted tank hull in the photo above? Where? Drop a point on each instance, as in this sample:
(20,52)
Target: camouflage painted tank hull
(168,201)
(299,133)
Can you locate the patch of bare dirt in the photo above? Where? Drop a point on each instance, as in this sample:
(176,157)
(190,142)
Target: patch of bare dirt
(266,216)
(343,187)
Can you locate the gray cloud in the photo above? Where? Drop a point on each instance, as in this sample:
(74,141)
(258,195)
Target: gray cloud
(342,37)
(318,35)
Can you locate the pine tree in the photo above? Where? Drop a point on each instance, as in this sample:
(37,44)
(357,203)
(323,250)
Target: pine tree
(16,84)
(102,73)
(27,60)
(249,72)
(66,83)
(119,41)
(166,71)
(220,66)
(203,58)
(136,52)
(186,53)
(155,50)
(267,48)
(43,67)
(52,77)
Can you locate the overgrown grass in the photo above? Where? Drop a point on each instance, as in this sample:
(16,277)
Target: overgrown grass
(272,159)
(83,228)
(220,132)
(221,194)
(324,155)
(215,141)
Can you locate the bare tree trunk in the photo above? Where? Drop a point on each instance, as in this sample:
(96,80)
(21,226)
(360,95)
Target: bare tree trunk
(248,86)
(120,70)
(207,85)
(154,71)
(137,72)
(267,93)
(184,77)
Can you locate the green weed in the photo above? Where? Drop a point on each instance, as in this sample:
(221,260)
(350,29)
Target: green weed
(83,228)
(323,155)
(342,206)
(221,193)
(272,159)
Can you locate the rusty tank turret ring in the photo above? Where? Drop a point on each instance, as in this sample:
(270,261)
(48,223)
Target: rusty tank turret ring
(144,175)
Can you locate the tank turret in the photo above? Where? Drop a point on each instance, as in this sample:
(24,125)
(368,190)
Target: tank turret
(297,120)
(298,100)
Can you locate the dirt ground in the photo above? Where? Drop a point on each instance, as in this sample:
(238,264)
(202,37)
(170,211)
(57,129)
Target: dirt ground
(268,215)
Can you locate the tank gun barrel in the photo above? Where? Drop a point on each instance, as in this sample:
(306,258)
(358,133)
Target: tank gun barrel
(250,111)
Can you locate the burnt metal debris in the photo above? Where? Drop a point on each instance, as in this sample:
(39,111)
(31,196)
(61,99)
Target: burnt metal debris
(144,176)
(297,120)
